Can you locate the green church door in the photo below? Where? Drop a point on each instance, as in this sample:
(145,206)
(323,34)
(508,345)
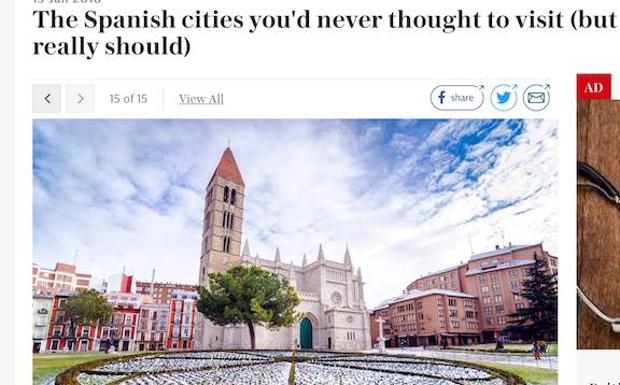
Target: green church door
(305,334)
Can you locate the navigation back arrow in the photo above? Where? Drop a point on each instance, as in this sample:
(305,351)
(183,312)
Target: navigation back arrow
(47,98)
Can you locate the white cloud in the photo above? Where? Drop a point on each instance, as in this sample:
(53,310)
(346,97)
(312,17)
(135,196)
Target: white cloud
(130,193)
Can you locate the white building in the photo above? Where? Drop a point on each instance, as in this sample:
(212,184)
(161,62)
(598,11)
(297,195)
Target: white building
(334,314)
(41,313)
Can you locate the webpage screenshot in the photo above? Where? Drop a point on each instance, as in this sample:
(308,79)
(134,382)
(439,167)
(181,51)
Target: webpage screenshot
(314,194)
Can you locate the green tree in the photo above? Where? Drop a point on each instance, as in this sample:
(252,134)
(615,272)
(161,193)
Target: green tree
(539,319)
(85,308)
(250,296)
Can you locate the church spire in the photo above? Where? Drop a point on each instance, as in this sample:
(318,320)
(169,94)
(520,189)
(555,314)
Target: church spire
(305,260)
(278,260)
(321,255)
(246,249)
(359,273)
(347,257)
(228,169)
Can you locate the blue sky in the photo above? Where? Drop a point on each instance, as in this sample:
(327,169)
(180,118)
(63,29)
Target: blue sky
(407,196)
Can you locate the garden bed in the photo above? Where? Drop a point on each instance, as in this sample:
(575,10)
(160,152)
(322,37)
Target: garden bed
(279,367)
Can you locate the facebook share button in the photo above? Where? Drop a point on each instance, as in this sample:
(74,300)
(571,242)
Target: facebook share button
(457,97)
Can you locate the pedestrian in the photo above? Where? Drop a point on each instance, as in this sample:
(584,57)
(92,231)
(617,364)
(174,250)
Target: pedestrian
(536,350)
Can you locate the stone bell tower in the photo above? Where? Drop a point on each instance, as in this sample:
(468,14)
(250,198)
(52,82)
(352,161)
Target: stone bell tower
(223,218)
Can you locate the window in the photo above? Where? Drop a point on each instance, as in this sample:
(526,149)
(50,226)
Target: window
(501,320)
(54,344)
(490,320)
(514,273)
(483,279)
(451,302)
(498,299)
(439,302)
(499,308)
(517,297)
(57,331)
(486,299)
(233,196)
(455,324)
(85,332)
(442,324)
(226,245)
(454,314)
(226,192)
(485,289)
(496,288)
(494,278)
(515,285)
(519,305)
(488,310)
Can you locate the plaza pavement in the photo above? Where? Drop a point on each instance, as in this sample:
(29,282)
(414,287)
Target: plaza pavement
(549,362)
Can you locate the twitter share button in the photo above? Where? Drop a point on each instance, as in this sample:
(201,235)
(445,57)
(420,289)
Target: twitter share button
(504,97)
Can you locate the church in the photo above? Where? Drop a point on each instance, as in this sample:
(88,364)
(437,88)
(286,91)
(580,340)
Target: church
(333,310)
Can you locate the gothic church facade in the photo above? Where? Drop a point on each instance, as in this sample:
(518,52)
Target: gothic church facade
(334,314)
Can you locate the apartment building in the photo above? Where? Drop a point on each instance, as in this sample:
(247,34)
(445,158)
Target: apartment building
(41,316)
(490,286)
(181,329)
(152,333)
(63,277)
(161,292)
(60,337)
(136,324)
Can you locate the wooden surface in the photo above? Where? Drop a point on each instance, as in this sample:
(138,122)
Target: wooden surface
(598,224)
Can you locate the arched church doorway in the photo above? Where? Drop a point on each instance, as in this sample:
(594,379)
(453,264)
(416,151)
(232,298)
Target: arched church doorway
(305,334)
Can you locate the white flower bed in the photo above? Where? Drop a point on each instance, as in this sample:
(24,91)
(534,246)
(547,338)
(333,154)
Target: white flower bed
(260,368)
(270,374)
(96,379)
(374,358)
(149,365)
(495,381)
(289,354)
(440,370)
(217,355)
(311,374)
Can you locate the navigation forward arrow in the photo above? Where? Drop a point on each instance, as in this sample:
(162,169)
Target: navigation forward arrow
(81,98)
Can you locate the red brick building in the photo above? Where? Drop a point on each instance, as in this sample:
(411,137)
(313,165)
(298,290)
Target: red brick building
(63,278)
(161,292)
(479,295)
(59,336)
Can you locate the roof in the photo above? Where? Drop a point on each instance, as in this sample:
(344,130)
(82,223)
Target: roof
(447,269)
(228,169)
(415,293)
(500,251)
(384,304)
(500,266)
(65,268)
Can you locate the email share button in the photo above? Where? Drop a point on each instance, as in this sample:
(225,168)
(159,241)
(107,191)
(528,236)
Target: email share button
(536,97)
(457,97)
